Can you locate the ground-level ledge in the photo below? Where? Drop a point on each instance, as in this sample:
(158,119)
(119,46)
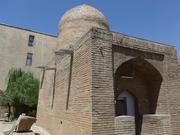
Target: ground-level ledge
(125,125)
(156,124)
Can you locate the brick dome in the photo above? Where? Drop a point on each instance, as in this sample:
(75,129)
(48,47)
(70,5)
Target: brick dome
(77,21)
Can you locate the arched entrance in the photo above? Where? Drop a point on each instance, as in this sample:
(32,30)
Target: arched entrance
(137,85)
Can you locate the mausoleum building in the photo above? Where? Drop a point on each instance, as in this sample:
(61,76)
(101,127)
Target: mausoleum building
(100,82)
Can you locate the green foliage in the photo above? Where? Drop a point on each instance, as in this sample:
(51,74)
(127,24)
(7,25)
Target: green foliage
(22,88)
(5,99)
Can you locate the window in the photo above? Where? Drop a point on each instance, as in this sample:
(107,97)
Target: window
(31,40)
(29,59)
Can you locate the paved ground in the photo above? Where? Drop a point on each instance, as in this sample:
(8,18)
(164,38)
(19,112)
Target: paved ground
(4,126)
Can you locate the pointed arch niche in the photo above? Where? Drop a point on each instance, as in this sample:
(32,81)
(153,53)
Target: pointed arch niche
(137,86)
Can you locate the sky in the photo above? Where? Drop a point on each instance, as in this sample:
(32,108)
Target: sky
(156,20)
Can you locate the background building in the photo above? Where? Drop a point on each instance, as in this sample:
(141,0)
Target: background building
(22,48)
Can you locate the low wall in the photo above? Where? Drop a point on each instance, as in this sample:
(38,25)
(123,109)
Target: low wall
(125,125)
(156,124)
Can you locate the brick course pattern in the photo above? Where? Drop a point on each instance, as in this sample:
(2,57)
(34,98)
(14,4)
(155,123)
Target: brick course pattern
(125,125)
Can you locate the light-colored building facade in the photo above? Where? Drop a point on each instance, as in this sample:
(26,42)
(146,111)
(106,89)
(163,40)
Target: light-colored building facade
(25,49)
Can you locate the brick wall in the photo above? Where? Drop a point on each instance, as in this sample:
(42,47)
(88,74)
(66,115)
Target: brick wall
(102,87)
(173,86)
(152,52)
(156,125)
(76,119)
(125,125)
(91,95)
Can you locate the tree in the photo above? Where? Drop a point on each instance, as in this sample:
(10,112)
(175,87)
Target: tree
(5,100)
(22,90)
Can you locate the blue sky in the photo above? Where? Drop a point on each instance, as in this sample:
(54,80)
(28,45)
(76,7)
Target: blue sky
(157,20)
